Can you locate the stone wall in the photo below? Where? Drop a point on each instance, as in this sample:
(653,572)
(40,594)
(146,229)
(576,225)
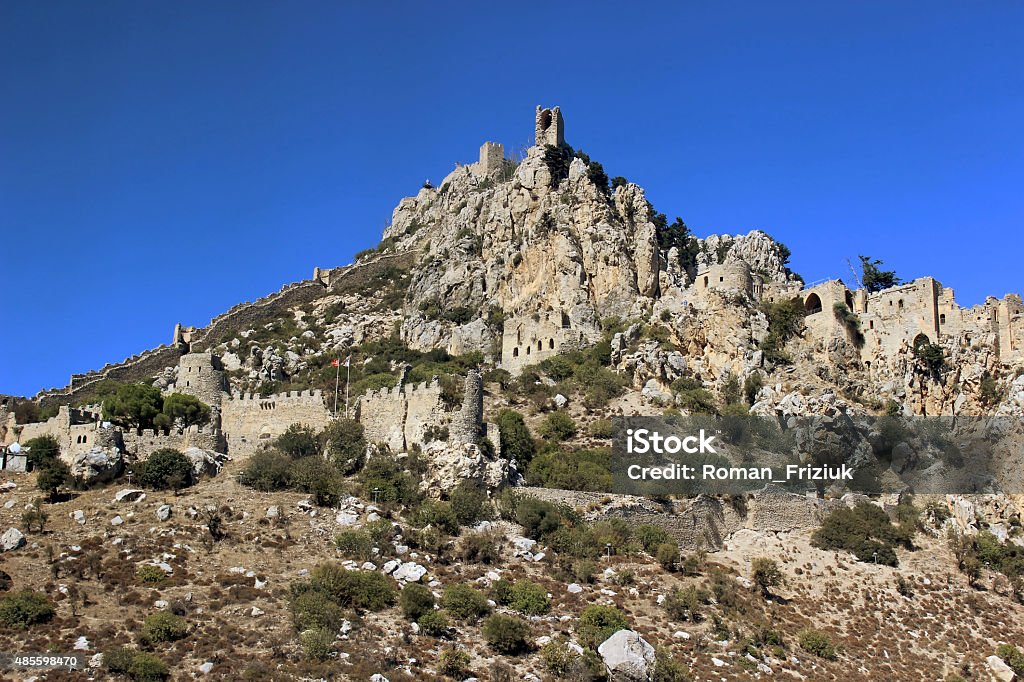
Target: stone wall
(76,430)
(529,339)
(144,442)
(399,417)
(700,522)
(549,127)
(467,422)
(492,159)
(139,367)
(201,375)
(249,420)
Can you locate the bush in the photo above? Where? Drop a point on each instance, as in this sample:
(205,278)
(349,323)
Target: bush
(355,544)
(34,518)
(148,574)
(818,643)
(312,610)
(598,623)
(42,450)
(453,662)
(360,590)
(433,624)
(267,471)
(684,604)
(529,598)
(667,554)
(765,573)
(320,479)
(163,627)
(118,660)
(469,502)
(465,603)
(864,530)
(345,443)
(557,426)
(415,601)
(1013,657)
(440,515)
(507,634)
(25,608)
(602,428)
(317,644)
(650,536)
(539,518)
(298,441)
(583,469)
(147,667)
(166,469)
(668,669)
(483,547)
(395,484)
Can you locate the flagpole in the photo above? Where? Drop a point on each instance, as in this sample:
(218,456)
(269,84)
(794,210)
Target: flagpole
(337,378)
(348,380)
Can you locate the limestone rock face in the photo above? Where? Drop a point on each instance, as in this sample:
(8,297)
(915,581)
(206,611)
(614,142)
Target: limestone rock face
(97,465)
(205,462)
(627,656)
(448,464)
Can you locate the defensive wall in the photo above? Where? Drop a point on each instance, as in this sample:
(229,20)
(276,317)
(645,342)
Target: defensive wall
(703,522)
(248,420)
(529,339)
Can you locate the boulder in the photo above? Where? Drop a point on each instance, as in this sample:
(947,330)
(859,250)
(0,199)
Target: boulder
(98,464)
(205,462)
(129,495)
(1000,670)
(11,539)
(627,656)
(409,572)
(163,512)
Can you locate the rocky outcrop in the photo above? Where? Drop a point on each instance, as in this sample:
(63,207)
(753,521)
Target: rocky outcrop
(627,656)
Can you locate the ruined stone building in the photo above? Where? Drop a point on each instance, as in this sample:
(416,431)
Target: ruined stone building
(529,339)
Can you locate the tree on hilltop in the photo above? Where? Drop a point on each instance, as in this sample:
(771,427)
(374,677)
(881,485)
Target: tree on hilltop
(133,405)
(874,278)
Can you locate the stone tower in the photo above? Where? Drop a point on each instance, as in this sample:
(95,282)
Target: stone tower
(550,127)
(492,156)
(467,423)
(200,375)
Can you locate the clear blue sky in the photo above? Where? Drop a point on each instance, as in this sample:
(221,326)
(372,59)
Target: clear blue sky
(162,161)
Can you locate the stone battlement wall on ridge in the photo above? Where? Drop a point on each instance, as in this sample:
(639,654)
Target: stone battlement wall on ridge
(249,420)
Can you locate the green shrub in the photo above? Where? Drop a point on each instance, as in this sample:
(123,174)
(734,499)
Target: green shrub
(529,598)
(394,483)
(345,444)
(41,450)
(440,515)
(668,669)
(684,604)
(360,590)
(765,573)
(52,475)
(1013,657)
(650,536)
(267,470)
(147,667)
(602,428)
(313,610)
(433,623)
(598,623)
(148,574)
(320,479)
(465,603)
(415,601)
(557,426)
(163,626)
(298,441)
(483,547)
(469,502)
(667,554)
(865,531)
(507,634)
(118,660)
(501,592)
(317,644)
(354,544)
(539,518)
(166,469)
(25,608)
(582,469)
(453,662)
(133,405)
(818,643)
(752,386)
(185,410)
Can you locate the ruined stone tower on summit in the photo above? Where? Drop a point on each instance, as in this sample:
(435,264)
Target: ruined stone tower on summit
(550,127)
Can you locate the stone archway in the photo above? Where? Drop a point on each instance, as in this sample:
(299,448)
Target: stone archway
(812,304)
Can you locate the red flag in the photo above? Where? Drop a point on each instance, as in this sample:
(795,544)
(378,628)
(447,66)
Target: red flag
(334,362)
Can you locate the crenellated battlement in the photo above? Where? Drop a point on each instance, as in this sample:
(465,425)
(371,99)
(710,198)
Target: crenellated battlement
(284,396)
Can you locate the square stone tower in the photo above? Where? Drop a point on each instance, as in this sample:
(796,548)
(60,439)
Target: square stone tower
(492,155)
(550,127)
